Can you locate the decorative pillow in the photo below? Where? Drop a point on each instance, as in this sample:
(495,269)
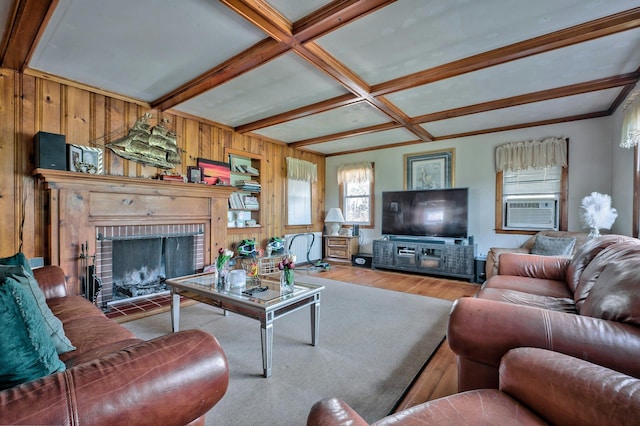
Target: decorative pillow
(16,260)
(26,349)
(550,246)
(53,324)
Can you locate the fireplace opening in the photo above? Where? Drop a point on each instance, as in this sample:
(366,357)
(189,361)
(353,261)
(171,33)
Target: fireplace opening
(134,261)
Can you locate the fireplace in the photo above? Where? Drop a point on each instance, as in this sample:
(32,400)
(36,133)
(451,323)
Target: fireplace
(132,261)
(87,214)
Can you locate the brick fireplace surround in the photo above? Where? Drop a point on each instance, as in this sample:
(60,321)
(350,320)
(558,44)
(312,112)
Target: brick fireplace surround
(81,206)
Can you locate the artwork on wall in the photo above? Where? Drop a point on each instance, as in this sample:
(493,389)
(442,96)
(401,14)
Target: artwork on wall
(215,172)
(85,159)
(429,170)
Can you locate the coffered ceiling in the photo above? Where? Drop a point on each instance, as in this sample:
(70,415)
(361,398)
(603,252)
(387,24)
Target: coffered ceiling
(340,76)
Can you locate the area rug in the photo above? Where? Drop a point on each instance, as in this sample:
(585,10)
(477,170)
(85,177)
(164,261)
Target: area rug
(373,343)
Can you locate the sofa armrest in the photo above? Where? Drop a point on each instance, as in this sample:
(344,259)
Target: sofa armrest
(493,258)
(170,380)
(51,280)
(482,331)
(334,412)
(559,387)
(534,266)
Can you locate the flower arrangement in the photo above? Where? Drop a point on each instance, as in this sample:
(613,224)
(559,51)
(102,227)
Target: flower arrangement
(223,257)
(286,266)
(597,213)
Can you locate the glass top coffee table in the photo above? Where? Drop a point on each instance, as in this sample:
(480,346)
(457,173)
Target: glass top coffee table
(265,306)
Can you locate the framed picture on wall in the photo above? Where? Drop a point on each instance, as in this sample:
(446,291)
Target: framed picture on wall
(429,170)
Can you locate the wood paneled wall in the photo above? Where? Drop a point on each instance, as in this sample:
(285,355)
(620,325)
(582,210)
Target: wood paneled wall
(29,104)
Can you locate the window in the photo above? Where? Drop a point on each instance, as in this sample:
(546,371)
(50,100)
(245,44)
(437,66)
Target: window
(531,186)
(298,202)
(300,175)
(356,193)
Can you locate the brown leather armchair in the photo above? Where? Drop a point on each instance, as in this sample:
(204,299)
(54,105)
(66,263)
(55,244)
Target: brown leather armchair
(536,387)
(113,377)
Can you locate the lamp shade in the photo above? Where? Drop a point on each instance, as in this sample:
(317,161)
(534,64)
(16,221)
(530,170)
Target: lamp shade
(334,215)
(335,218)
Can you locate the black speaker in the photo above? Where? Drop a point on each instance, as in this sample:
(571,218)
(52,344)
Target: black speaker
(50,151)
(356,230)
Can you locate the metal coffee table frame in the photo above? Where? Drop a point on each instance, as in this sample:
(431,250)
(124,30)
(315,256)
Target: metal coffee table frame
(198,287)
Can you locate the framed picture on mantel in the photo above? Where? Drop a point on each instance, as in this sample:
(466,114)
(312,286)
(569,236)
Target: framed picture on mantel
(429,170)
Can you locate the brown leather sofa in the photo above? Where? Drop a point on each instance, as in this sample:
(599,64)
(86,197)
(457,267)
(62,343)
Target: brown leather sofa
(536,387)
(587,307)
(493,255)
(113,377)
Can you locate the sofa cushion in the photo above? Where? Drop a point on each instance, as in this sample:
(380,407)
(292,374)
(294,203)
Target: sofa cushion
(559,304)
(551,246)
(553,288)
(603,252)
(614,295)
(54,326)
(26,349)
(585,254)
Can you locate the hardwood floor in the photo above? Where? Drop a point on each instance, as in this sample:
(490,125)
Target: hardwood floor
(439,377)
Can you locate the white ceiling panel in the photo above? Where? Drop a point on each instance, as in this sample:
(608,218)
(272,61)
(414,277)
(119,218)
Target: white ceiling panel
(334,121)
(137,48)
(294,10)
(283,84)
(412,35)
(365,141)
(600,58)
(547,110)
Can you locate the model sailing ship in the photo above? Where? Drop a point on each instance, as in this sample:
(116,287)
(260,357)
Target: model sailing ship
(153,146)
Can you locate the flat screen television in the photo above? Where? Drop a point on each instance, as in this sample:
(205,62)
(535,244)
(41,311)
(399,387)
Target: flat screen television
(425,213)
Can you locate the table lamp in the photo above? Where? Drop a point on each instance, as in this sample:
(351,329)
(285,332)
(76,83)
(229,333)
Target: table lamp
(335,218)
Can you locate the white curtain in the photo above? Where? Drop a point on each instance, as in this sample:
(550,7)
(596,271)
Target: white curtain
(630,135)
(523,155)
(355,173)
(301,170)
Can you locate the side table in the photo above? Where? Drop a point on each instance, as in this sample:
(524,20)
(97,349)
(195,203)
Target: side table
(340,248)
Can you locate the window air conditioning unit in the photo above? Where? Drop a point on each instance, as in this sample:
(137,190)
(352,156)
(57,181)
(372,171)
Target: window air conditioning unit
(537,214)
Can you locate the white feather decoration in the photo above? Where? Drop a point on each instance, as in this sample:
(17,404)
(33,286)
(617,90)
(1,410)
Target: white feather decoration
(597,212)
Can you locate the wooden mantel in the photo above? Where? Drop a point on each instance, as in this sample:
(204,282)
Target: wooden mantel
(79,202)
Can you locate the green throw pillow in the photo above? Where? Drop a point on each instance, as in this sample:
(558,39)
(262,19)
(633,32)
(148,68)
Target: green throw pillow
(16,260)
(26,349)
(54,325)
(551,246)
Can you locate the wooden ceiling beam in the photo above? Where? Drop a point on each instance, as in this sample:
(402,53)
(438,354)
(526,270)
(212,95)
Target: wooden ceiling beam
(334,15)
(608,25)
(543,95)
(346,134)
(375,148)
(24,29)
(525,125)
(258,54)
(329,104)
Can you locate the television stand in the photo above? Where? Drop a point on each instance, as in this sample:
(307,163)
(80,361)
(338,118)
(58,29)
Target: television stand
(450,260)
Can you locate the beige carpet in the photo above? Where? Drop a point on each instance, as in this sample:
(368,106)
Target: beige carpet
(373,343)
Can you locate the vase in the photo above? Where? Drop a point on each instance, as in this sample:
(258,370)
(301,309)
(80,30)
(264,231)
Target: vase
(286,281)
(594,232)
(223,278)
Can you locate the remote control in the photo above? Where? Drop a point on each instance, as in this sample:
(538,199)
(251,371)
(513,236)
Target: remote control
(251,291)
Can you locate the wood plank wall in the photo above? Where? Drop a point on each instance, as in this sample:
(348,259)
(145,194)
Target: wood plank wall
(29,104)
